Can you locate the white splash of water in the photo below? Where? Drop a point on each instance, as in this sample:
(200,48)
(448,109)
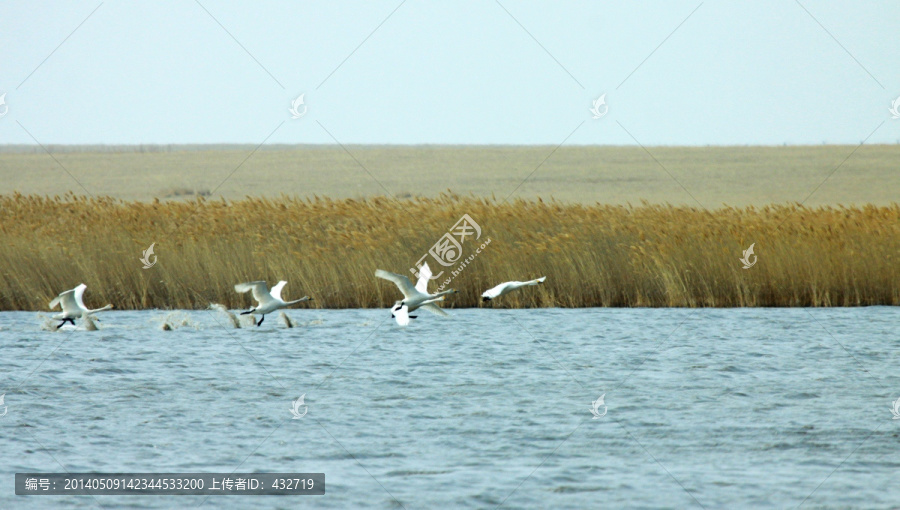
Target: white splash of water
(286,320)
(232,318)
(175,320)
(89,324)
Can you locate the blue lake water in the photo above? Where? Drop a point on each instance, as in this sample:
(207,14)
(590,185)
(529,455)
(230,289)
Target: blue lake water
(733,408)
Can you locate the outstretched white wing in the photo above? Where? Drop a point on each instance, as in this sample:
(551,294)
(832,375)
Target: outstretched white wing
(260,290)
(68,302)
(401,281)
(424,275)
(276,290)
(79,295)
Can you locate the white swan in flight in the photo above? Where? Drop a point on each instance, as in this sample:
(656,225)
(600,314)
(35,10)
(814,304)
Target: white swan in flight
(506,288)
(72,302)
(267,302)
(414,297)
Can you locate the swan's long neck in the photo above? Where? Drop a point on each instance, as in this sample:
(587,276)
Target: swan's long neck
(304,298)
(107,307)
(451,291)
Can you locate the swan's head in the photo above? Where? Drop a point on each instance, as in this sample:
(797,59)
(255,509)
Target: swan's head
(485,298)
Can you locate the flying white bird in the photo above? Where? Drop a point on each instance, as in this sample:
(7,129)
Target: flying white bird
(268,302)
(414,297)
(506,288)
(73,306)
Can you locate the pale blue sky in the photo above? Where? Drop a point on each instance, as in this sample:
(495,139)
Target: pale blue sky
(734,72)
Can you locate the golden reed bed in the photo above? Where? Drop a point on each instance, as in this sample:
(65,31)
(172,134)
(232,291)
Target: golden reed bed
(329,249)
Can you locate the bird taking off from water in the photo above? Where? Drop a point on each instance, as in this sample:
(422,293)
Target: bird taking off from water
(414,296)
(267,302)
(72,302)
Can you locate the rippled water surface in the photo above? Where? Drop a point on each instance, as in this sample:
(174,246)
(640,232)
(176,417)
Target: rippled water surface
(725,408)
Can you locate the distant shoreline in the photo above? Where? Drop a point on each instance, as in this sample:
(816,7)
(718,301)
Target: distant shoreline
(705,177)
